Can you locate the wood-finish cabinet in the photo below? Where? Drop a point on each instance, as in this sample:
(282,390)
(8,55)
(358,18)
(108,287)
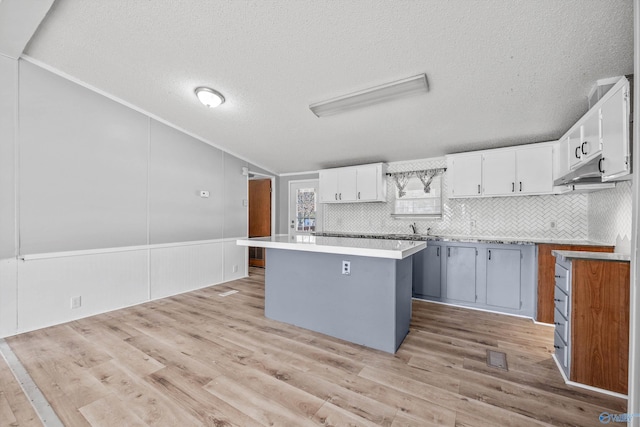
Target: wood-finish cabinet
(546,273)
(592,322)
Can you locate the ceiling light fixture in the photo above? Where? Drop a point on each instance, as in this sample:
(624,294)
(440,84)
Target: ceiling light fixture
(364,98)
(209,97)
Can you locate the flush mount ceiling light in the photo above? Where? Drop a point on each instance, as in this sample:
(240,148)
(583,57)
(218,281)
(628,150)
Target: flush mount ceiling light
(374,95)
(209,97)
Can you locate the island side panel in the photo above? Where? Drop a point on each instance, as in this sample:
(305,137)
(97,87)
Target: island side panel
(309,290)
(404,294)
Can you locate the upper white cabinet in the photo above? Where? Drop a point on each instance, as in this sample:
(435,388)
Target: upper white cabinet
(499,172)
(615,122)
(534,170)
(561,158)
(464,175)
(514,171)
(364,183)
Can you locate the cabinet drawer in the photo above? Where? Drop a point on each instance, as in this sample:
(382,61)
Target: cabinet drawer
(562,302)
(562,353)
(562,325)
(562,278)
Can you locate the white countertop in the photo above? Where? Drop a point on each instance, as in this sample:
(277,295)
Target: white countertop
(376,248)
(598,256)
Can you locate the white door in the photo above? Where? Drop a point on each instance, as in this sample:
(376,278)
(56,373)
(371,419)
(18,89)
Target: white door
(367,182)
(534,170)
(305,210)
(499,173)
(465,175)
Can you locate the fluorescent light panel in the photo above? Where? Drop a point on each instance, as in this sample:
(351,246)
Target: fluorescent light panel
(371,96)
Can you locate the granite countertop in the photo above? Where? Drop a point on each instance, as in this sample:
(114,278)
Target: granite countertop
(343,245)
(598,256)
(464,239)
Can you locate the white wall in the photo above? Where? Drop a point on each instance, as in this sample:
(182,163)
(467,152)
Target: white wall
(109,209)
(610,216)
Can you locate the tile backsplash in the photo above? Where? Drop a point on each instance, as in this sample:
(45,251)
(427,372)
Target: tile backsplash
(567,216)
(609,215)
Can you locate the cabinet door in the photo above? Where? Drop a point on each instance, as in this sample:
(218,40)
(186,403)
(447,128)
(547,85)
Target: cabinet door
(367,178)
(590,146)
(575,142)
(503,278)
(615,135)
(534,167)
(347,191)
(464,175)
(328,186)
(461,273)
(561,158)
(499,173)
(426,272)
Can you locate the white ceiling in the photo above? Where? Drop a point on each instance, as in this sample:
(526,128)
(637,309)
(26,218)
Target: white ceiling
(501,72)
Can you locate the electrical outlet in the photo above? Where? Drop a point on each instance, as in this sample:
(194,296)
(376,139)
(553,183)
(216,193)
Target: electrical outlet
(553,225)
(472,223)
(76,302)
(346,267)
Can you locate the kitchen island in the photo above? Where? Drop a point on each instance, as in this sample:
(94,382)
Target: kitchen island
(306,286)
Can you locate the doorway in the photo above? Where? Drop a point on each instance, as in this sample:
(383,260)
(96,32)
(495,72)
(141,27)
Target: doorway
(259,217)
(305,211)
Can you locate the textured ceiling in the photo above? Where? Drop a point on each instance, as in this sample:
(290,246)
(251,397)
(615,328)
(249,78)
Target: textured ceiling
(501,72)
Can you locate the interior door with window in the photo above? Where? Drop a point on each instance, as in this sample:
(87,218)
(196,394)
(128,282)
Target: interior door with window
(305,211)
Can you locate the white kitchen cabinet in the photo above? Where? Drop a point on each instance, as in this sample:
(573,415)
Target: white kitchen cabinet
(461,273)
(503,278)
(519,171)
(427,272)
(591,145)
(499,173)
(534,170)
(364,183)
(464,175)
(615,113)
(575,140)
(561,158)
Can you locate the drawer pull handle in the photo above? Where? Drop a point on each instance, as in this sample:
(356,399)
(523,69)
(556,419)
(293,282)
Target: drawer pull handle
(576,152)
(582,148)
(600,165)
(557,347)
(489,254)
(438,251)
(557,323)
(558,276)
(558,300)
(478,188)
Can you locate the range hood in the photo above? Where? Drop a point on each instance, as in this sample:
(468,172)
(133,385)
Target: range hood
(589,173)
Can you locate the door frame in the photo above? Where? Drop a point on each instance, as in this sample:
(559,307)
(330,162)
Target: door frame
(301,181)
(273,199)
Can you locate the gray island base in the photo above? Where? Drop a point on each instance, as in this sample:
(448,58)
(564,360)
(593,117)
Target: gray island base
(371,306)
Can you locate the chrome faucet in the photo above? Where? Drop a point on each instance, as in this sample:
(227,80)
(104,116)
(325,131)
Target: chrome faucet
(413,228)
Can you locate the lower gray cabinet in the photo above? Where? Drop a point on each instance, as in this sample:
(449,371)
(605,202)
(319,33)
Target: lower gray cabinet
(493,276)
(503,278)
(426,273)
(461,273)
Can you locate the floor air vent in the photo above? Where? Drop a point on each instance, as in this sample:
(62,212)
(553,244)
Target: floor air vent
(497,359)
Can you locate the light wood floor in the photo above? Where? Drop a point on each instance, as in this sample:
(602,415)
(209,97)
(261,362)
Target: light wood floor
(201,359)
